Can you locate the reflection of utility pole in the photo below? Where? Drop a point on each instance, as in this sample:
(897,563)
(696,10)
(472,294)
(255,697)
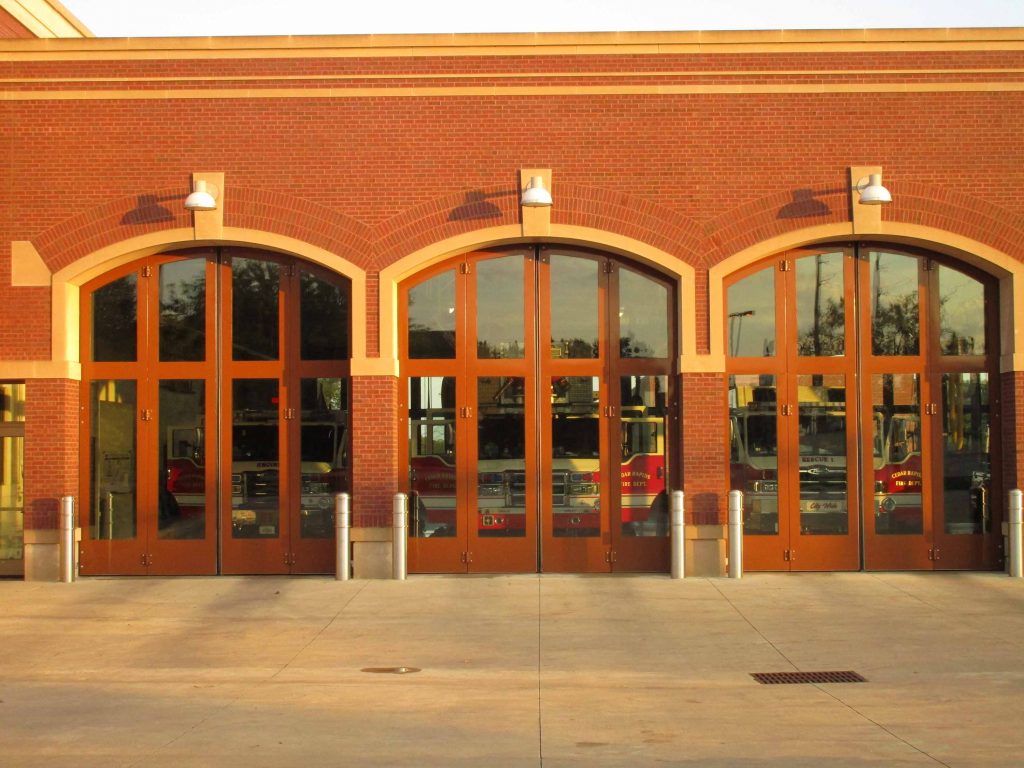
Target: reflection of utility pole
(817,306)
(735,328)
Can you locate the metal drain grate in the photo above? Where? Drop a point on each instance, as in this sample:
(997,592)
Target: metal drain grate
(797,678)
(390,670)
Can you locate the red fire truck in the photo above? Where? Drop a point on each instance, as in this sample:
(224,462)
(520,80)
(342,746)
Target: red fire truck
(255,502)
(823,483)
(575,465)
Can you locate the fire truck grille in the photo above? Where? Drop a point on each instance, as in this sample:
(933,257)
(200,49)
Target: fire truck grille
(803,678)
(517,488)
(264,483)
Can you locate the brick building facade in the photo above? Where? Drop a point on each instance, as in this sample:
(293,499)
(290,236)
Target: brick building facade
(689,156)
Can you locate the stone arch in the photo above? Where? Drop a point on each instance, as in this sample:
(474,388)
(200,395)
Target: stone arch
(564,234)
(1008,269)
(66,281)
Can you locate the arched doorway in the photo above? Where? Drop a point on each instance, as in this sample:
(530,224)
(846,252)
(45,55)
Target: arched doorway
(215,414)
(863,410)
(540,412)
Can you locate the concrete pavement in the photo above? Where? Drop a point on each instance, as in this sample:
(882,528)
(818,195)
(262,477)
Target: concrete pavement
(552,671)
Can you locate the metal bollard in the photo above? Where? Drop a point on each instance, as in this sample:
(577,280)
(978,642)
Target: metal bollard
(735,534)
(1014,529)
(67,539)
(343,537)
(678,536)
(400,540)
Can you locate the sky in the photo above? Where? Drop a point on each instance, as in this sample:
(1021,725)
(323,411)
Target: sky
(200,18)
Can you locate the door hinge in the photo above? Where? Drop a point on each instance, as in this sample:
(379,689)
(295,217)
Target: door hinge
(784,265)
(787,410)
(464,268)
(608,266)
(147,560)
(467,557)
(933,553)
(466,412)
(146,414)
(609,410)
(931,409)
(289,558)
(789,555)
(147,271)
(289,413)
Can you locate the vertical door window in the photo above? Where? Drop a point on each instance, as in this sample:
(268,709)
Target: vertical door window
(432,456)
(181,462)
(895,321)
(643,472)
(114,321)
(500,314)
(12,474)
(255,458)
(183,310)
(754,450)
(501,456)
(323,318)
(255,291)
(643,316)
(961,313)
(896,453)
(323,448)
(821,412)
(575,456)
(112,509)
(751,313)
(966,461)
(574,307)
(431,329)
(820,310)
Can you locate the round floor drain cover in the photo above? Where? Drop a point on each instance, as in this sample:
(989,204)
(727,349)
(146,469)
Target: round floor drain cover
(391,670)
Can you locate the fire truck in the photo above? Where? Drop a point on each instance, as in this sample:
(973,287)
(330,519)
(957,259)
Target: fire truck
(575,486)
(823,486)
(255,495)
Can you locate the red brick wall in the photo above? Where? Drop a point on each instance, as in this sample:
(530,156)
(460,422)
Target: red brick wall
(698,175)
(1012,425)
(51,448)
(704,449)
(374,450)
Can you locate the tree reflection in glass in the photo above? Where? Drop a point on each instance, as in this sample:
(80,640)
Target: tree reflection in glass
(895,325)
(820,312)
(255,286)
(183,310)
(961,313)
(114,308)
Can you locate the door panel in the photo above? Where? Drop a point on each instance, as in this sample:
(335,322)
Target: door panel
(640,491)
(576,534)
(113,541)
(965,536)
(185,533)
(918,425)
(151,332)
(825,450)
(521,335)
(437,535)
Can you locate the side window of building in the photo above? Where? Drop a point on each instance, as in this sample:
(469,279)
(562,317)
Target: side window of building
(12,473)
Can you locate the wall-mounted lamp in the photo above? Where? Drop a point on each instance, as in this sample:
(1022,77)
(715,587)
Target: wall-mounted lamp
(535,195)
(871,190)
(204,198)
